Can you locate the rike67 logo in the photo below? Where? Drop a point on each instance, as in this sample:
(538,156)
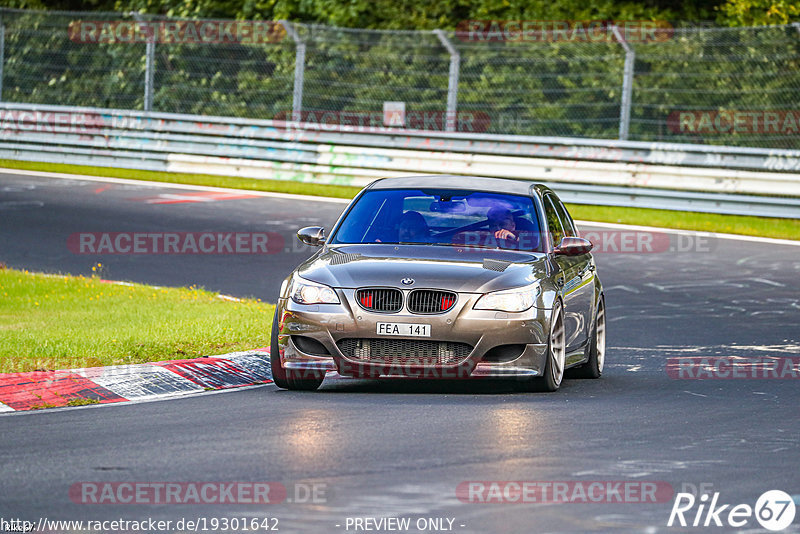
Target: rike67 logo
(774,510)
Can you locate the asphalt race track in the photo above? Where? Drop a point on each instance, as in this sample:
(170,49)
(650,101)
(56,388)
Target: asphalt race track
(400,448)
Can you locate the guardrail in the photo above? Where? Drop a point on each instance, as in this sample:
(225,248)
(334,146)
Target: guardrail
(734,180)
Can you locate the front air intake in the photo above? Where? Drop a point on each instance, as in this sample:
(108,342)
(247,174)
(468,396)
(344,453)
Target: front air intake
(404,351)
(380,299)
(430,301)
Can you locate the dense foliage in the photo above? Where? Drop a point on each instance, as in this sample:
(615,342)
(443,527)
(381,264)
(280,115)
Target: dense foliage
(428,14)
(563,88)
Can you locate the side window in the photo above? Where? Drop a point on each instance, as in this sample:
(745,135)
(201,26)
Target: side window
(553,222)
(566,220)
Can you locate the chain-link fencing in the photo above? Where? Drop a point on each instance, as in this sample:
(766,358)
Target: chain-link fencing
(725,86)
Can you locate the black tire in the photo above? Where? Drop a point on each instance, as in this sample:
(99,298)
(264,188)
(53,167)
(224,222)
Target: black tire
(597,347)
(556,356)
(289,378)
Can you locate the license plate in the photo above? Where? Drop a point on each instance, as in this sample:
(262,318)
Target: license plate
(404,329)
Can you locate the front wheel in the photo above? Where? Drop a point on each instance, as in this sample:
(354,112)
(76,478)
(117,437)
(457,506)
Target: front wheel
(290,378)
(556,356)
(597,347)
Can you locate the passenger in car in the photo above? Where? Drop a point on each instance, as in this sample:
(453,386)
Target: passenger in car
(413,228)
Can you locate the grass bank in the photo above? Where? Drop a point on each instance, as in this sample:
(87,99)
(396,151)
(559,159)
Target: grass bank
(60,322)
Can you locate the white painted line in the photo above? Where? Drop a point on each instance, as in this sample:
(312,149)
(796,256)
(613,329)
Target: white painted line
(737,237)
(167,185)
(288,196)
(4,408)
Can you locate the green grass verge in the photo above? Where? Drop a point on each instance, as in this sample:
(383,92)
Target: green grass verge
(687,220)
(733,224)
(63,322)
(71,402)
(250,184)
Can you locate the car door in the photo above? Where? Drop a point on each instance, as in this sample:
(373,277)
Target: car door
(578,273)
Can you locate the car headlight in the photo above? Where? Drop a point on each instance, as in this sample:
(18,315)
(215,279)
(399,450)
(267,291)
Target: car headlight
(308,292)
(512,300)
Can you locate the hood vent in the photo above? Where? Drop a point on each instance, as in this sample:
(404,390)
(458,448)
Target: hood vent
(495,265)
(340,259)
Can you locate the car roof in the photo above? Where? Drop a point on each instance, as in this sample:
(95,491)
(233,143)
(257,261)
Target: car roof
(477,183)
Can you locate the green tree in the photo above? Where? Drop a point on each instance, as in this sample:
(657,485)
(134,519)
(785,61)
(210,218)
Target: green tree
(759,12)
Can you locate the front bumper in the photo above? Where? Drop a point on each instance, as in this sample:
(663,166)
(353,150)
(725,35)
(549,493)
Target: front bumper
(482,330)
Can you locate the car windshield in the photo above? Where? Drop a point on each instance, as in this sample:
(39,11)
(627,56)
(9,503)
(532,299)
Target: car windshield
(442,217)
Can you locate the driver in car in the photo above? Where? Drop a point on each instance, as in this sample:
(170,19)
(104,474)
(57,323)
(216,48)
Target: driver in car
(503,225)
(509,231)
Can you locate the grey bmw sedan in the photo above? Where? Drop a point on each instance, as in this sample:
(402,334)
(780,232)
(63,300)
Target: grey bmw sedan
(443,277)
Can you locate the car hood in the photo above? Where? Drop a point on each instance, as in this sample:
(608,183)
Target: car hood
(466,270)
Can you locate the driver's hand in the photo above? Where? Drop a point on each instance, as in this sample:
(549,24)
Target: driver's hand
(505,234)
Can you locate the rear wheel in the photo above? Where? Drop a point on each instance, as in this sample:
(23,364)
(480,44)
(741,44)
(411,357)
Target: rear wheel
(556,356)
(290,378)
(597,347)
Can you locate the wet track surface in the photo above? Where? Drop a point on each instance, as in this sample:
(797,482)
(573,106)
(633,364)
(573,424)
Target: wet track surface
(402,447)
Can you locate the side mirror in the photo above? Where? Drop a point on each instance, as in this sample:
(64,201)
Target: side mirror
(312,235)
(573,246)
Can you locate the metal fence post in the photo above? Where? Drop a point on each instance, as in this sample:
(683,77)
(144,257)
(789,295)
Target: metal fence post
(149,70)
(149,65)
(627,85)
(2,53)
(299,70)
(452,80)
